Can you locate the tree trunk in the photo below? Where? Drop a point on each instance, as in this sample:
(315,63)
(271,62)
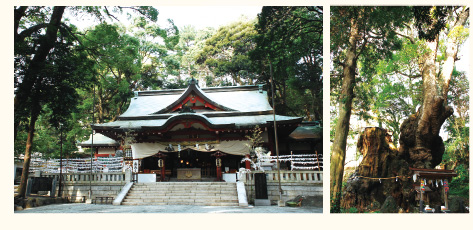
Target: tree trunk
(420,142)
(28,150)
(451,52)
(337,161)
(37,63)
(375,178)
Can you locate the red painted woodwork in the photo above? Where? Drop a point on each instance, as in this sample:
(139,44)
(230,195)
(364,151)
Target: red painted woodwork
(187,124)
(247,163)
(103,155)
(163,170)
(219,174)
(194,99)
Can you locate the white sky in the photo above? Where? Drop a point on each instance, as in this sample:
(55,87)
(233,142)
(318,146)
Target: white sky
(198,16)
(205,16)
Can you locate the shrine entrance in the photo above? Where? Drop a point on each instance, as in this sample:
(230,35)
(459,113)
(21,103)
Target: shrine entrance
(191,165)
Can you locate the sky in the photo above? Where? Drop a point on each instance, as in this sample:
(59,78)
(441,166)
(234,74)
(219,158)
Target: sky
(206,16)
(198,16)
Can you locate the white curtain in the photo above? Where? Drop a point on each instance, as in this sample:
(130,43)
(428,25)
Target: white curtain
(142,150)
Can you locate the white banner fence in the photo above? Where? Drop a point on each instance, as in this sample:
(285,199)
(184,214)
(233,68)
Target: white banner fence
(78,165)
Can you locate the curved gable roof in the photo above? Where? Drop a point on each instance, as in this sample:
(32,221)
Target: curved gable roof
(237,98)
(193,88)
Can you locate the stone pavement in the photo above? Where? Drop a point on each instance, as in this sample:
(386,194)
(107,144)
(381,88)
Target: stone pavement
(91,208)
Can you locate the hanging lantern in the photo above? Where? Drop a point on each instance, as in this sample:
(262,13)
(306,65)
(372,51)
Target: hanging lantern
(218,162)
(414,177)
(160,163)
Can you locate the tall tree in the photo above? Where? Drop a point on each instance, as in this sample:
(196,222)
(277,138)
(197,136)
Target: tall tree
(356,32)
(65,69)
(420,140)
(118,67)
(290,38)
(41,43)
(226,53)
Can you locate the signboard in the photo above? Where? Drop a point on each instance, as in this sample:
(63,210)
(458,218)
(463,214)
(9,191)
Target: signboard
(136,166)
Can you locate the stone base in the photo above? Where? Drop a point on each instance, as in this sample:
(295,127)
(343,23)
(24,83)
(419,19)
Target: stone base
(262,202)
(281,203)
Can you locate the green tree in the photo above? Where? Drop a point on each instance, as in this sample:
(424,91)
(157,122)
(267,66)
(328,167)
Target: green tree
(420,140)
(357,33)
(118,67)
(46,64)
(65,69)
(159,53)
(226,53)
(290,40)
(457,147)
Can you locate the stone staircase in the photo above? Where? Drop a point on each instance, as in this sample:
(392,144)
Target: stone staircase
(183,193)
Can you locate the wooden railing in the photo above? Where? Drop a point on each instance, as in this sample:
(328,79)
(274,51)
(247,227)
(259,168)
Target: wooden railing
(286,176)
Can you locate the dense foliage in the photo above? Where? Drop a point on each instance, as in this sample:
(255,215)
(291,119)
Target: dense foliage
(408,73)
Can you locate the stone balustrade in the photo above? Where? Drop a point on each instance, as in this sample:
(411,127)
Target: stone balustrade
(293,184)
(286,176)
(94,177)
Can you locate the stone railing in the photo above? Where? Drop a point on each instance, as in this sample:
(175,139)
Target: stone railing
(112,177)
(286,176)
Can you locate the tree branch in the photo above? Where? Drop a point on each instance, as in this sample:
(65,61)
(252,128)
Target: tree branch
(408,75)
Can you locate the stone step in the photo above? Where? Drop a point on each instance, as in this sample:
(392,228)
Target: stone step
(190,192)
(183,189)
(189,200)
(229,197)
(152,196)
(181,203)
(212,191)
(182,193)
(209,187)
(184,183)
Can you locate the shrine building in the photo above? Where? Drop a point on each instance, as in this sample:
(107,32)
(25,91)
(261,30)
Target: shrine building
(102,146)
(199,134)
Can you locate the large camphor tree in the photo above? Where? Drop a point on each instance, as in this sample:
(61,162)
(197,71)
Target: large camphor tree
(420,141)
(436,32)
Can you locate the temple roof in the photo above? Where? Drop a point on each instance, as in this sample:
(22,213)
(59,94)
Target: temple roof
(99,141)
(241,98)
(307,132)
(218,107)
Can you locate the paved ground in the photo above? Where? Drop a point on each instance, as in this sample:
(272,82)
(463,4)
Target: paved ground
(92,208)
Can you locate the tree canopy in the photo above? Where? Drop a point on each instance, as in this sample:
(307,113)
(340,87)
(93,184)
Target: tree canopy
(401,78)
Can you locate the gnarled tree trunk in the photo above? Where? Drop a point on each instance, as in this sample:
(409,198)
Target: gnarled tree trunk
(380,174)
(420,142)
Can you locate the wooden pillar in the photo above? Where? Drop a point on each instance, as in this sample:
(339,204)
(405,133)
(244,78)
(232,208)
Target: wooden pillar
(218,163)
(445,194)
(271,142)
(162,165)
(248,163)
(421,202)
